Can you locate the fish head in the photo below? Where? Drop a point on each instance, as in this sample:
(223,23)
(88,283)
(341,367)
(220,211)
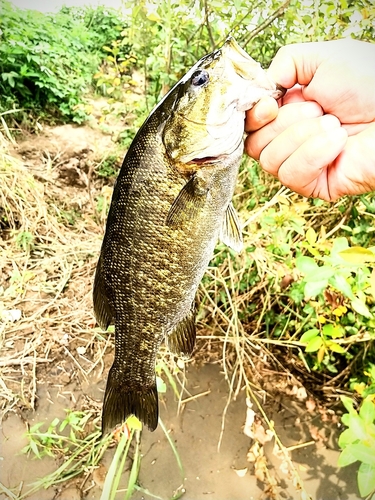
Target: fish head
(207,116)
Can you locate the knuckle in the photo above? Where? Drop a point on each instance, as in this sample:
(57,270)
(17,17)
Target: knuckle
(266,163)
(251,147)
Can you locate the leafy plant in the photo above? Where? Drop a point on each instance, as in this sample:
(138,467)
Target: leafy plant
(47,61)
(115,75)
(358,443)
(112,481)
(102,23)
(24,240)
(65,438)
(109,166)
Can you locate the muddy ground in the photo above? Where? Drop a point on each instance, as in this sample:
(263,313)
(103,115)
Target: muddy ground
(53,358)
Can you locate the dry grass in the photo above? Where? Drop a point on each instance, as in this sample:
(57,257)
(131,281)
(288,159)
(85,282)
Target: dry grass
(46,271)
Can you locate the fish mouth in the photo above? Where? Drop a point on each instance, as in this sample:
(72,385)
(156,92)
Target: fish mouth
(204,160)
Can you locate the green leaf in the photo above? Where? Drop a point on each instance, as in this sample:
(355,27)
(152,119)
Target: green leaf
(323,273)
(357,255)
(334,347)
(334,331)
(339,245)
(35,449)
(314,344)
(133,423)
(367,411)
(366,479)
(160,384)
(341,284)
(358,426)
(54,423)
(311,236)
(346,457)
(312,289)
(364,453)
(348,403)
(347,437)
(309,335)
(360,307)
(306,265)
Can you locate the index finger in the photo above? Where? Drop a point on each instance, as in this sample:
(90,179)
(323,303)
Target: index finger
(297,63)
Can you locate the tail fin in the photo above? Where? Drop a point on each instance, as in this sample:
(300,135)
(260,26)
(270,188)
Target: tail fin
(121,401)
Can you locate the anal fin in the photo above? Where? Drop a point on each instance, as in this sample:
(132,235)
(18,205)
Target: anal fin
(181,340)
(231,233)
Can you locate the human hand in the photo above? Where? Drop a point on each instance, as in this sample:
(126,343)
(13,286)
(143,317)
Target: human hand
(321,141)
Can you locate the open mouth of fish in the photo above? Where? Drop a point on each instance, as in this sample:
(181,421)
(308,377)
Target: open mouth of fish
(207,159)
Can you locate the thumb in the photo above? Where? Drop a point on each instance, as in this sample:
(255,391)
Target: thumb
(297,63)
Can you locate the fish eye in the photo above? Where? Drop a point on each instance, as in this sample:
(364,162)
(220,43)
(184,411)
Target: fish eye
(200,78)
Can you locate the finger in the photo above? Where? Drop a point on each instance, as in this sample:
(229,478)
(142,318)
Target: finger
(305,171)
(287,116)
(296,63)
(262,113)
(286,143)
(295,94)
(359,151)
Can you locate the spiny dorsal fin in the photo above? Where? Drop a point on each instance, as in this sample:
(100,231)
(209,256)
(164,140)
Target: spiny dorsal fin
(181,340)
(230,233)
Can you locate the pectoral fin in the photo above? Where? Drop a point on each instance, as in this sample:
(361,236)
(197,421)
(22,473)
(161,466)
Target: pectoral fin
(181,340)
(230,233)
(189,202)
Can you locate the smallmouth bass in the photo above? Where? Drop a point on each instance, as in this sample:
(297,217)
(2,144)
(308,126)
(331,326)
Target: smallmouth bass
(170,205)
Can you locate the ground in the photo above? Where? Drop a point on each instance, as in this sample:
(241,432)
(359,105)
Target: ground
(55,358)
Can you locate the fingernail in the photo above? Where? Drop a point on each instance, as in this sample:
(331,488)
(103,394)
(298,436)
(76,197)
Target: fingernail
(311,110)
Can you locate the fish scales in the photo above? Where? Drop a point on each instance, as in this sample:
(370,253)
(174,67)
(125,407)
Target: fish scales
(165,218)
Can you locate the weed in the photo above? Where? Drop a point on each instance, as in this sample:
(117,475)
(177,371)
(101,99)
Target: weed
(66,438)
(47,60)
(24,240)
(109,167)
(358,442)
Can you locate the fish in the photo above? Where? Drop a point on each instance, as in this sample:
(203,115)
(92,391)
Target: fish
(171,203)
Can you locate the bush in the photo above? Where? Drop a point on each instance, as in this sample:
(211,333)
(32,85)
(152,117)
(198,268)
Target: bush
(103,24)
(47,60)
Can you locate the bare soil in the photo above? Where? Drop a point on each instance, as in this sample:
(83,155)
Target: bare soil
(53,358)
